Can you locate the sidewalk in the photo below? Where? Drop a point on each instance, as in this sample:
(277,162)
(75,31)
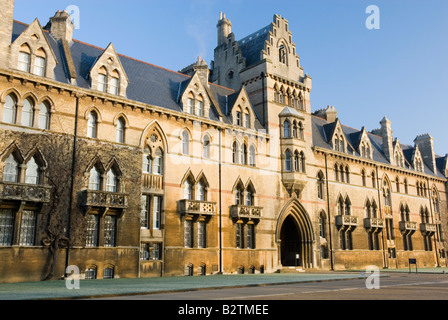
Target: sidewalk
(93,288)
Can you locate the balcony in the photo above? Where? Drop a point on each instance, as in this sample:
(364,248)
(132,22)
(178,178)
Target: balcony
(152,183)
(24,192)
(346,221)
(103,199)
(245,212)
(407,226)
(428,228)
(387,211)
(373,223)
(196,207)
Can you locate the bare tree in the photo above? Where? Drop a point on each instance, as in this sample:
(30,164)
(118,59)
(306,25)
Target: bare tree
(60,158)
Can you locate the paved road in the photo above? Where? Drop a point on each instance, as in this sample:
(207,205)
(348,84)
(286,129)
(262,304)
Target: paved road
(393,287)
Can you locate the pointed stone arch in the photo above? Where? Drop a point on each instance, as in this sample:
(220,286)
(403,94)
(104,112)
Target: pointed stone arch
(295,235)
(149,134)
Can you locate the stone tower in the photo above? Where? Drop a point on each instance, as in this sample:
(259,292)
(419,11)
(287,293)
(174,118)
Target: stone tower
(6,23)
(224,29)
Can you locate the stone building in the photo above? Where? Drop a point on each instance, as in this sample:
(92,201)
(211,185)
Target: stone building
(126,169)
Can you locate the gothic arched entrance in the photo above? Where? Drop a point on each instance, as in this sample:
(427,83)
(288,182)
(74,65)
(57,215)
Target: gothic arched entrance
(295,236)
(290,243)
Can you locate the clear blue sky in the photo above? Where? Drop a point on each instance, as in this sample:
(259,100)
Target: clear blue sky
(399,71)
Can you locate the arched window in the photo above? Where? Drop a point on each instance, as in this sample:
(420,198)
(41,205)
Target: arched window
(340,206)
(301,131)
(206,147)
(147,162)
(244,154)
(114,85)
(190,103)
(368,209)
(336,172)
(296,161)
(92,125)
(363,177)
(188,190)
(24,58)
(111,181)
(287,129)
(102,79)
(348,207)
(199,106)
(235,152)
(341,145)
(347,174)
(238,116)
(250,199)
(94,179)
(373,179)
(246,118)
(320,185)
(302,162)
(32,173)
(120,130)
(27,113)
(10,109)
(11,169)
(282,54)
(40,63)
(288,166)
(185,143)
(158,162)
(201,192)
(239,193)
(336,143)
(44,116)
(252,157)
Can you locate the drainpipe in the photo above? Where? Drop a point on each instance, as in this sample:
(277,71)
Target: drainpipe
(329,216)
(75,140)
(436,249)
(385,266)
(220,201)
(262,75)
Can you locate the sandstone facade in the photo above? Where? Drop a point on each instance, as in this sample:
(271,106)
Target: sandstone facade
(132,170)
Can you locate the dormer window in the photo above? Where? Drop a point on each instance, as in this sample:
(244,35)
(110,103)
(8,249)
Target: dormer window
(199,106)
(238,117)
(102,80)
(114,85)
(40,62)
(24,58)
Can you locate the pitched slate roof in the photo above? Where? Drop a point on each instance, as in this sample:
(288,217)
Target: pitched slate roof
(148,83)
(322,129)
(252,45)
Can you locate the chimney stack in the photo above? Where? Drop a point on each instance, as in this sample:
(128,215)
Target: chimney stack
(61,26)
(387,135)
(425,144)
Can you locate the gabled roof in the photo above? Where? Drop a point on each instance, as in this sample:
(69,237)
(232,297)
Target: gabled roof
(322,132)
(252,45)
(148,84)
